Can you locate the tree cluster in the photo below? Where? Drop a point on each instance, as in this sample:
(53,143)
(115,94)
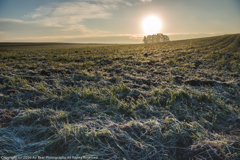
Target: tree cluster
(155,38)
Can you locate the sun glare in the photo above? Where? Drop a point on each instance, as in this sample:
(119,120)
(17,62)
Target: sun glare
(151,25)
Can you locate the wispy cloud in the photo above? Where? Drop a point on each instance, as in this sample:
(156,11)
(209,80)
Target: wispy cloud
(146,0)
(33,28)
(63,18)
(10,20)
(70,13)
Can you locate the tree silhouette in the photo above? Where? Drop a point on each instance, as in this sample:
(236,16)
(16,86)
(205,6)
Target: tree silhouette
(145,39)
(166,38)
(159,37)
(149,39)
(155,38)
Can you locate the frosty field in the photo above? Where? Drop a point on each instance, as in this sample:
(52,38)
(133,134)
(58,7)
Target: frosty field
(168,100)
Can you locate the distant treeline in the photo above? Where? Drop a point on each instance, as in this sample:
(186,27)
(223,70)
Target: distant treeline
(155,38)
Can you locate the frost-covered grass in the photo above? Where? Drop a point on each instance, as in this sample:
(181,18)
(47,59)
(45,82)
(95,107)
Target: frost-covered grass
(169,100)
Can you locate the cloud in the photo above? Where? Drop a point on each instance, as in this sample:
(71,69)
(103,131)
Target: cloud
(12,29)
(36,15)
(62,18)
(70,13)
(146,0)
(74,12)
(10,20)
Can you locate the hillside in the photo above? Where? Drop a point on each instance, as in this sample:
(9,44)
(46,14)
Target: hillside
(169,100)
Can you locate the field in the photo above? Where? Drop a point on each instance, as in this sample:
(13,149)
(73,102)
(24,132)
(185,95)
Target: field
(168,100)
(19,46)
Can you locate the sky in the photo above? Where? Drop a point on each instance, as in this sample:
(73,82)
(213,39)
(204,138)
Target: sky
(114,21)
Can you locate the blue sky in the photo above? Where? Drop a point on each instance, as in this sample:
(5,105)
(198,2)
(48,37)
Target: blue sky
(114,21)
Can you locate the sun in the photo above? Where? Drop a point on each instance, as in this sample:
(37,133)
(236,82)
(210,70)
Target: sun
(151,25)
